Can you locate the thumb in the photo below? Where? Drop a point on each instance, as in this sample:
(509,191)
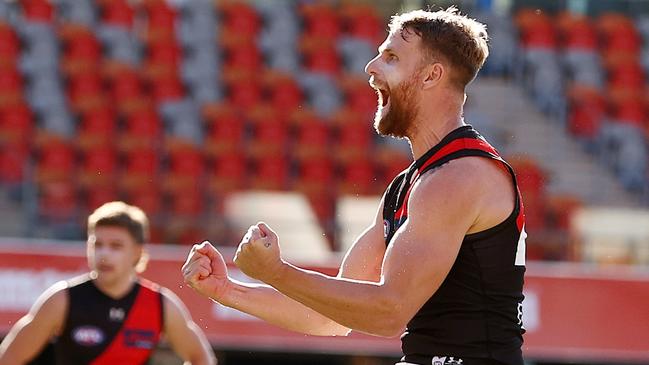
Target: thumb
(208,250)
(265,230)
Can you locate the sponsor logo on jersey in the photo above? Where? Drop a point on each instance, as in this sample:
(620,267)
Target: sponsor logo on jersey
(139,338)
(116,314)
(88,335)
(386,228)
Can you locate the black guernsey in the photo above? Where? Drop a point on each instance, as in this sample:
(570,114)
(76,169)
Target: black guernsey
(101,330)
(477,310)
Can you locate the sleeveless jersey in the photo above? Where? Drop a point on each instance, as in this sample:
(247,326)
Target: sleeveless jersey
(477,310)
(100,330)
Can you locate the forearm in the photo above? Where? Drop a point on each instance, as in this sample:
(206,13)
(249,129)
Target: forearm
(266,303)
(359,305)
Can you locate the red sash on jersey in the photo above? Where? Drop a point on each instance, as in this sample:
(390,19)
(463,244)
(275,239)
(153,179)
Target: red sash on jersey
(140,332)
(452,147)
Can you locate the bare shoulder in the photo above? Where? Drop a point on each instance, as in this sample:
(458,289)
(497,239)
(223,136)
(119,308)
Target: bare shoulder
(478,186)
(51,307)
(173,305)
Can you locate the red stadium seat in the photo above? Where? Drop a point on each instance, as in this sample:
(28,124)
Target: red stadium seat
(363,21)
(143,129)
(578,32)
(11,85)
(321,20)
(141,169)
(167,89)
(323,59)
(9,45)
(587,110)
(286,95)
(186,169)
(148,198)
(82,50)
(245,94)
(353,139)
(37,10)
(58,201)
(56,161)
(86,92)
(163,59)
(536,29)
(630,111)
(99,166)
(315,175)
(358,177)
(14,160)
(312,138)
(117,13)
(242,60)
(98,128)
(228,173)
(16,124)
(270,173)
(391,162)
(127,89)
(360,97)
(226,131)
(270,133)
(161,20)
(240,17)
(97,195)
(187,203)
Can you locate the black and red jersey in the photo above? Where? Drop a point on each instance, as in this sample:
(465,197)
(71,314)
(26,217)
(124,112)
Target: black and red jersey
(477,310)
(100,330)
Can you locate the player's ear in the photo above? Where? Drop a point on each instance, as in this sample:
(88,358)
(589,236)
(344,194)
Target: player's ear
(432,75)
(141,263)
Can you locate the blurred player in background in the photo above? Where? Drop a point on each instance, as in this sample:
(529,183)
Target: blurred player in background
(445,255)
(110,315)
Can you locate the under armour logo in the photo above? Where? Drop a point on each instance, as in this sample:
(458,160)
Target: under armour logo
(446,360)
(116,314)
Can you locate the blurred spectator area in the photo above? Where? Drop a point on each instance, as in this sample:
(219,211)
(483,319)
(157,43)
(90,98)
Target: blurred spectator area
(177,106)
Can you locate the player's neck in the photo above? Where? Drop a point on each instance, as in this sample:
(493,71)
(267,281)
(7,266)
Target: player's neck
(435,121)
(118,288)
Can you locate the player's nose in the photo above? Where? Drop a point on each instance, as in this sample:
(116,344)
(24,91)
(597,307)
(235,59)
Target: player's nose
(370,68)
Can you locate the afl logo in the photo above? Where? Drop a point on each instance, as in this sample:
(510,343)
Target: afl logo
(386,228)
(88,336)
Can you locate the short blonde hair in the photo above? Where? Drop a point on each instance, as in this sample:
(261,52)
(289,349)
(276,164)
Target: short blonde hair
(120,214)
(449,35)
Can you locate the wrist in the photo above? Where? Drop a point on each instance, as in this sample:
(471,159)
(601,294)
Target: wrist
(277,275)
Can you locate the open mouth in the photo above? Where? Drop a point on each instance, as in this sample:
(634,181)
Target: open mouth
(384,97)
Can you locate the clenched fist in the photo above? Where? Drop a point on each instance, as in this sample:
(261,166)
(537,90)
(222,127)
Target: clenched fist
(258,255)
(205,271)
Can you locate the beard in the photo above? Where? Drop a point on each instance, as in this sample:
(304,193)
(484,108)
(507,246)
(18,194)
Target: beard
(401,115)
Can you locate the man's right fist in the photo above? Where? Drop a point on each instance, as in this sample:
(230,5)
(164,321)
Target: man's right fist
(205,271)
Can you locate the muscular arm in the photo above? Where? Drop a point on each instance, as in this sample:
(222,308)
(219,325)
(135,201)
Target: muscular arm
(443,207)
(184,336)
(32,332)
(362,262)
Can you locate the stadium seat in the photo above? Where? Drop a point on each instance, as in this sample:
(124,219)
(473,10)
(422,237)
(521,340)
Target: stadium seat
(82,50)
(312,137)
(269,132)
(9,45)
(99,166)
(141,169)
(242,60)
(269,172)
(323,59)
(126,89)
(143,129)
(245,94)
(358,176)
(16,124)
(117,13)
(11,86)
(353,139)
(58,201)
(167,88)
(226,130)
(161,20)
(14,160)
(86,92)
(96,195)
(315,175)
(229,172)
(56,161)
(186,169)
(163,59)
(97,128)
(37,10)
(536,29)
(321,20)
(285,94)
(363,21)
(241,17)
